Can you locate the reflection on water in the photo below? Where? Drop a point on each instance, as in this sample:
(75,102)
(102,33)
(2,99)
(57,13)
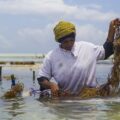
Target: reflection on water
(95,109)
(14,106)
(30,108)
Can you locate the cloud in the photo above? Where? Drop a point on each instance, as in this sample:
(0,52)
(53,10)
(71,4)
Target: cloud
(35,7)
(29,38)
(37,39)
(42,39)
(91,34)
(55,8)
(36,34)
(94,14)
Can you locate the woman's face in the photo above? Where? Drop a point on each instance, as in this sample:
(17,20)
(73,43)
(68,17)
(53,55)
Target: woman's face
(68,43)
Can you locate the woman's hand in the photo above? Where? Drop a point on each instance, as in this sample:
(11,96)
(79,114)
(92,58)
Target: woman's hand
(54,88)
(113,24)
(46,84)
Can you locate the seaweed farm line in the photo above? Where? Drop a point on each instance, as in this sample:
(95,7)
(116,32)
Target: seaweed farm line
(20,59)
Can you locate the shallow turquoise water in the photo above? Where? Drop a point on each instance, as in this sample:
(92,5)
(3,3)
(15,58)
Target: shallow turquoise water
(30,108)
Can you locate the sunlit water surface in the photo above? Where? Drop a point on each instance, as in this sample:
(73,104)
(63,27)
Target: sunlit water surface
(30,108)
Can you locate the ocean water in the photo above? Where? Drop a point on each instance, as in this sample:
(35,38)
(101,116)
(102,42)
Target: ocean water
(30,108)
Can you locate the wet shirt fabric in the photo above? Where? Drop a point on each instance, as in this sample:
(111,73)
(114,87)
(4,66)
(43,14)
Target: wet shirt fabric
(73,69)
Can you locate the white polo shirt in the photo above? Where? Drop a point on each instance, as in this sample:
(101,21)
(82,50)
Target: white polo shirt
(73,69)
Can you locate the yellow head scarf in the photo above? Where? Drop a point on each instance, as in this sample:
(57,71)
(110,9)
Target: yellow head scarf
(63,29)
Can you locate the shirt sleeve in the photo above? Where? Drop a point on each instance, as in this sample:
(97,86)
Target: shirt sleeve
(108,46)
(45,70)
(99,52)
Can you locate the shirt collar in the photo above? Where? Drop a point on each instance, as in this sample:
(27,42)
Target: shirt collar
(74,50)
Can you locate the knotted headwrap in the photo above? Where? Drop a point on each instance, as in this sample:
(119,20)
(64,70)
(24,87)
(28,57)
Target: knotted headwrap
(63,29)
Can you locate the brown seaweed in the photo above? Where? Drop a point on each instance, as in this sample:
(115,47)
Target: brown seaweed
(111,87)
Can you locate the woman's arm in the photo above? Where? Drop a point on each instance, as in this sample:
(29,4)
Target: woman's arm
(46,84)
(108,45)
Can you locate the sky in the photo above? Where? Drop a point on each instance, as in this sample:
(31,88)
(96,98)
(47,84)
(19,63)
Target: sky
(26,26)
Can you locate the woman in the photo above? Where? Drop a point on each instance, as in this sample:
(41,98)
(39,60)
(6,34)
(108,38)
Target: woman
(73,64)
